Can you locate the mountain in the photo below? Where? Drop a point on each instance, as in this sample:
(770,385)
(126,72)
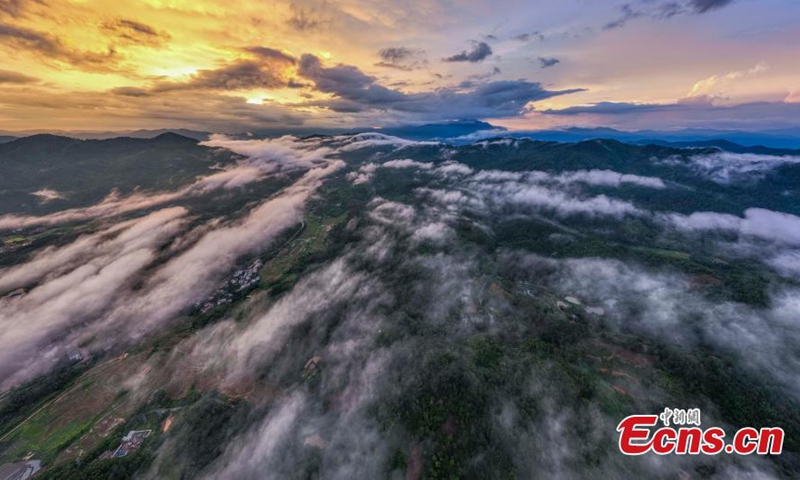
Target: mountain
(81,172)
(724,145)
(463,132)
(440,131)
(436,131)
(194,134)
(468,131)
(779,139)
(83,135)
(445,131)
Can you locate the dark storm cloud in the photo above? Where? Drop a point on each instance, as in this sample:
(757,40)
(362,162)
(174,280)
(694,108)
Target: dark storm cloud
(355,91)
(265,70)
(7,76)
(479,53)
(501,98)
(239,75)
(669,10)
(702,6)
(51,47)
(349,83)
(137,33)
(664,10)
(693,7)
(548,62)
(341,79)
(351,91)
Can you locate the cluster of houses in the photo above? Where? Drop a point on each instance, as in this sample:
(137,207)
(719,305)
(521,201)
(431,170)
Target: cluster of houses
(27,468)
(240,282)
(130,443)
(10,247)
(20,470)
(74,355)
(570,302)
(313,366)
(16,293)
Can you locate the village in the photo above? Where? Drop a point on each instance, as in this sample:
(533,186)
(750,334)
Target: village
(237,284)
(130,443)
(20,470)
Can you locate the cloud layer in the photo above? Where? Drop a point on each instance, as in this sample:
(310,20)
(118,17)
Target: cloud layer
(108,289)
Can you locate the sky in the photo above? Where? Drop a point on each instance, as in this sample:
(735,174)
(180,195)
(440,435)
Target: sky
(247,65)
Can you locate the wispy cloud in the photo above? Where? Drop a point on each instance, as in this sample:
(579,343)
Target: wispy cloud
(83,294)
(531,190)
(727,167)
(76,284)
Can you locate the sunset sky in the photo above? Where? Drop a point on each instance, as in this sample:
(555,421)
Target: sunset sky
(241,65)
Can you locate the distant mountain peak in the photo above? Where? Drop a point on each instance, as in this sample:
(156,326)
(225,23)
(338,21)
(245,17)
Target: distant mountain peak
(174,137)
(441,130)
(43,139)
